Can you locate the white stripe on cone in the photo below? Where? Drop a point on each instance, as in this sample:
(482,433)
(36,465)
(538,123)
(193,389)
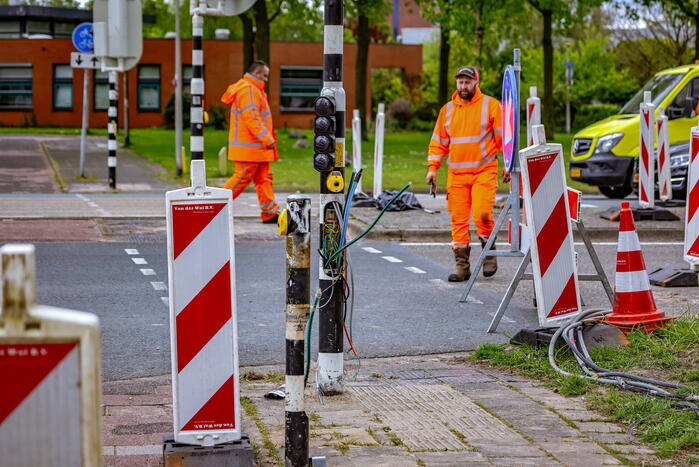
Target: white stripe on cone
(628,241)
(633,281)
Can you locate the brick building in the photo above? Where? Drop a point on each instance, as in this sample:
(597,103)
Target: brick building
(38,87)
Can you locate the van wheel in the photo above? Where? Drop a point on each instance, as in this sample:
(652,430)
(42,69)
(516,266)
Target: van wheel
(616,192)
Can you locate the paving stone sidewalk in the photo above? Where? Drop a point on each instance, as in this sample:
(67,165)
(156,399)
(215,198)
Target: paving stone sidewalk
(429,410)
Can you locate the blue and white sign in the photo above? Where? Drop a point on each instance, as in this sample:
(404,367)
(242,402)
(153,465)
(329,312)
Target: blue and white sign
(510,118)
(83,40)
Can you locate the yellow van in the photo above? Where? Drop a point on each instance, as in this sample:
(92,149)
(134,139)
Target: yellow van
(603,153)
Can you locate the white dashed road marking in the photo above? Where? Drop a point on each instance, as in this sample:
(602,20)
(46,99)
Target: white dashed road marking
(415,270)
(159,285)
(369,249)
(165,300)
(131,251)
(147,272)
(92,204)
(392,259)
(139,260)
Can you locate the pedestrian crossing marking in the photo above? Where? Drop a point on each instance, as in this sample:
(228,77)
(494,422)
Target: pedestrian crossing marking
(392,259)
(139,260)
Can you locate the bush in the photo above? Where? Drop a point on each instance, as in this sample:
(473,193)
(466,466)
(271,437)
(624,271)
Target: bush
(218,116)
(400,112)
(588,114)
(169,111)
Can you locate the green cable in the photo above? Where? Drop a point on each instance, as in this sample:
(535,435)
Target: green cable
(370,227)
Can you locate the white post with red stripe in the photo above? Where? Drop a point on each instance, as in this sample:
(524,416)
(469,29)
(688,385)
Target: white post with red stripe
(203,327)
(548,219)
(646,157)
(533,115)
(50,393)
(378,152)
(691,229)
(664,185)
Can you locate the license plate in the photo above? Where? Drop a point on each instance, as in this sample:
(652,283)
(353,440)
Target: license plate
(575,173)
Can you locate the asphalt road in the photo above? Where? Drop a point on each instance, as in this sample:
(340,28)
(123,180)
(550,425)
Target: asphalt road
(402,303)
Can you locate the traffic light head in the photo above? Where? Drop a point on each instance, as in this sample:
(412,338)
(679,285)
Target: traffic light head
(324,130)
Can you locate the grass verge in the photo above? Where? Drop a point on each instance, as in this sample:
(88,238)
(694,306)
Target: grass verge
(670,354)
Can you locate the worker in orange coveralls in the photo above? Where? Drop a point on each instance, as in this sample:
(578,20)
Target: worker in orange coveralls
(251,138)
(469,134)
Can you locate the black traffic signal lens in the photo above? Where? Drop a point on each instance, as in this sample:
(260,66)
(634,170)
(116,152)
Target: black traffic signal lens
(323,162)
(324,125)
(324,107)
(323,144)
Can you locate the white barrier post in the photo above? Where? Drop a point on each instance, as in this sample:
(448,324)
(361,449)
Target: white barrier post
(50,374)
(203,328)
(664,185)
(533,114)
(378,152)
(548,219)
(646,157)
(691,229)
(357,145)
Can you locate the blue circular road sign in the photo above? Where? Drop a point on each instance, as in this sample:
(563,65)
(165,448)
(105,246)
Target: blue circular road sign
(510,118)
(82,38)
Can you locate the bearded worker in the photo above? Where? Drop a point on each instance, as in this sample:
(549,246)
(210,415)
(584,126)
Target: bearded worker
(468,134)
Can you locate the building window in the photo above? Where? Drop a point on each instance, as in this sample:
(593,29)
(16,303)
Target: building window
(62,87)
(63,30)
(100,90)
(16,86)
(149,87)
(38,27)
(299,87)
(10,29)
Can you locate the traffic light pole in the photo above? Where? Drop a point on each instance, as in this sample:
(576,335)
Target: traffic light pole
(196,113)
(112,119)
(330,281)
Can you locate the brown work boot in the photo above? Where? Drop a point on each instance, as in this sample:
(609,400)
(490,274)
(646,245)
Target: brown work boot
(463,268)
(490,265)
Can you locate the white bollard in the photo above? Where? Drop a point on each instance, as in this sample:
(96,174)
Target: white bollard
(551,236)
(691,228)
(378,152)
(203,328)
(646,156)
(357,145)
(533,115)
(50,372)
(664,185)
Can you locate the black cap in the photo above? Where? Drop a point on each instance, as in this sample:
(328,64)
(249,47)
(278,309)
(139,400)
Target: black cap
(468,72)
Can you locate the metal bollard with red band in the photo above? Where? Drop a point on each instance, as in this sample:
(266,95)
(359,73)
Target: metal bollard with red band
(664,185)
(548,219)
(203,328)
(50,392)
(646,158)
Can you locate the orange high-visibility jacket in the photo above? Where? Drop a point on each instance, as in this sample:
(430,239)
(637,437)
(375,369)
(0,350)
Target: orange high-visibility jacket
(251,122)
(469,133)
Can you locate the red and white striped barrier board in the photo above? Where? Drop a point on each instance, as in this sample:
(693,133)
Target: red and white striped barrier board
(548,219)
(664,185)
(574,198)
(646,158)
(691,229)
(533,114)
(50,390)
(203,328)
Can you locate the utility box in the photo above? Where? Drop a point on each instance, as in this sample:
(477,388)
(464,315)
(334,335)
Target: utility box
(118,33)
(50,374)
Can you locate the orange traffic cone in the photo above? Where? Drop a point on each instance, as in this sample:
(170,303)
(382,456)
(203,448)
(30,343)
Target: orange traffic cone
(634,305)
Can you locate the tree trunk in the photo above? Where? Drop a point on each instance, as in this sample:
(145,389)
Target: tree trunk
(443,95)
(480,35)
(696,34)
(262,31)
(547,108)
(362,66)
(248,41)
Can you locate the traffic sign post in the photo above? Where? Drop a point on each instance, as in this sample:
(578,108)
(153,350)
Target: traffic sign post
(50,373)
(83,41)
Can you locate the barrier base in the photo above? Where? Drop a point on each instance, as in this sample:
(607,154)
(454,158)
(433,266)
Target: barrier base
(656,213)
(235,454)
(671,277)
(536,337)
(599,335)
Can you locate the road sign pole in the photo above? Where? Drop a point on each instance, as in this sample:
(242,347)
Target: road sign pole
(112,124)
(86,113)
(125,93)
(178,91)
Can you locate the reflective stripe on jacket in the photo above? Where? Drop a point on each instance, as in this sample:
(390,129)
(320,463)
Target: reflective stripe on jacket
(467,134)
(251,128)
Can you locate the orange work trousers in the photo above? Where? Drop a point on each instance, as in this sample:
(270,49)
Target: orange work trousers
(260,174)
(471,192)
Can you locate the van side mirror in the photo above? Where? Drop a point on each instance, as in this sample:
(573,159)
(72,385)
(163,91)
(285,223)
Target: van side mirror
(675,111)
